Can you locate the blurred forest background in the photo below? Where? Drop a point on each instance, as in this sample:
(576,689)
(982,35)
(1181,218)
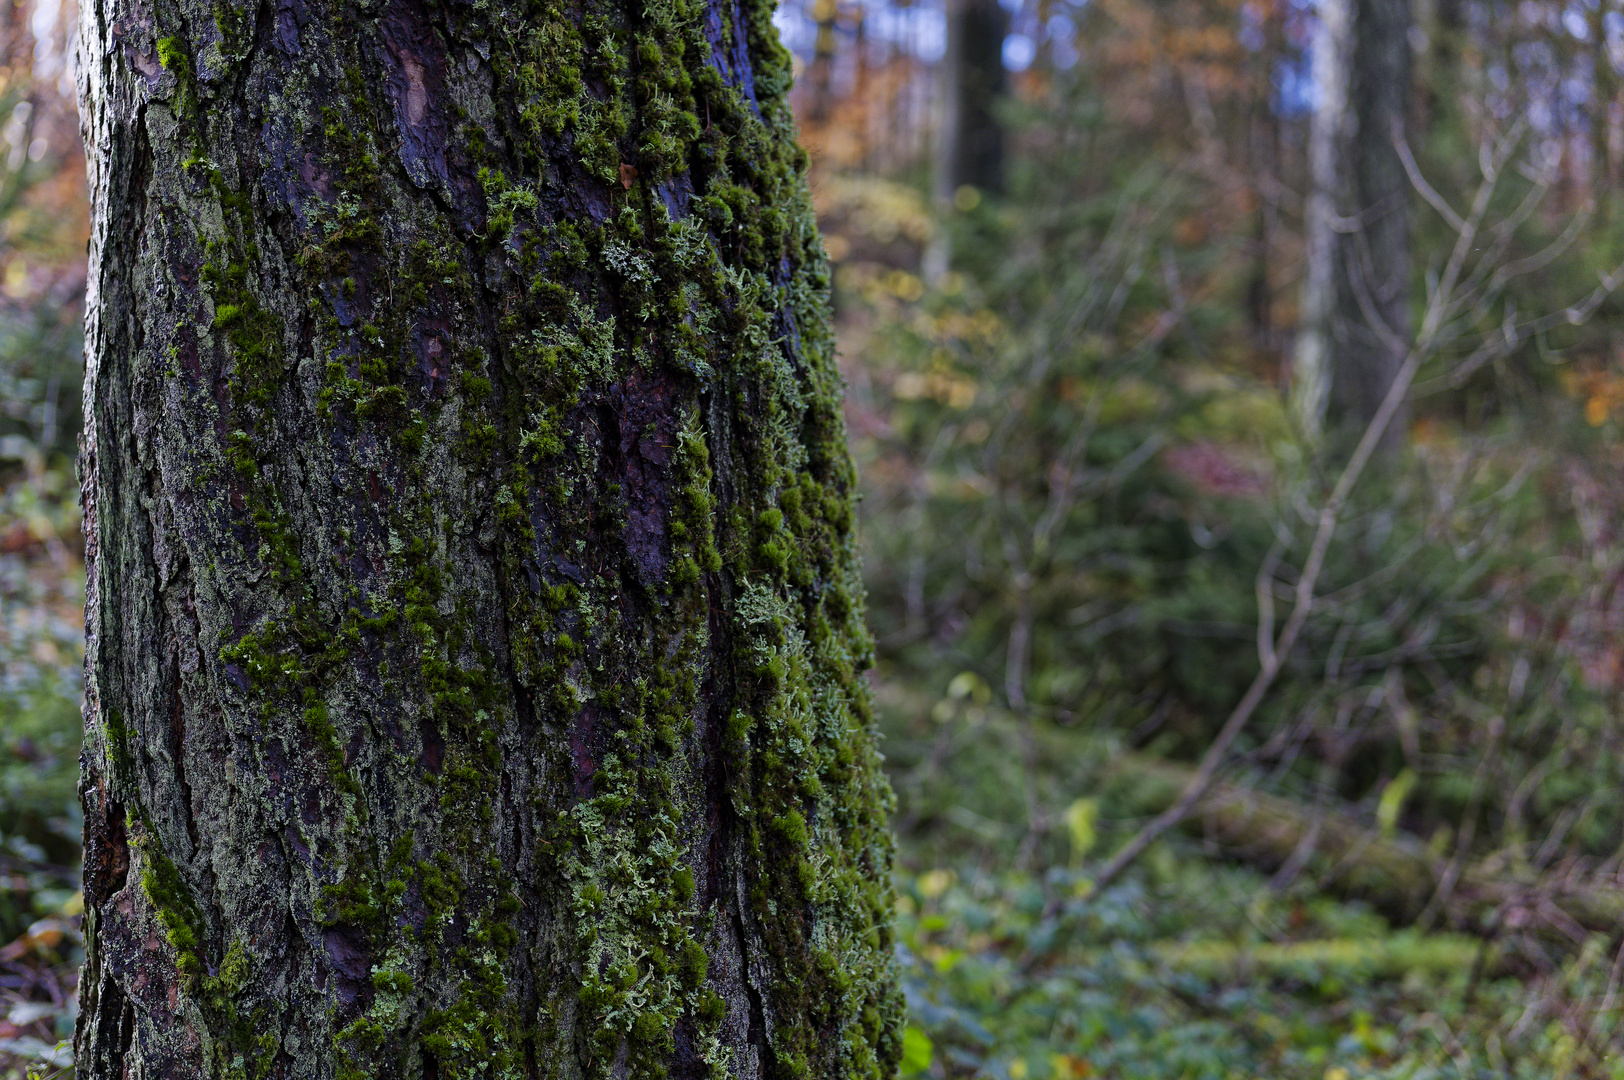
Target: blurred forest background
(1238,396)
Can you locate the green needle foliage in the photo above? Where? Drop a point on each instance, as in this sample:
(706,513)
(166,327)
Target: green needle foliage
(1087,504)
(1087,478)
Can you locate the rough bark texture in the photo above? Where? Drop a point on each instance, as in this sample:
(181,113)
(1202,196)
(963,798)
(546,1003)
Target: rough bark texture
(475,638)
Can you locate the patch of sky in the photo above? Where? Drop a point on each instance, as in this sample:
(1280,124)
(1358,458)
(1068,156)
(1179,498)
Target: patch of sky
(917,30)
(1019,52)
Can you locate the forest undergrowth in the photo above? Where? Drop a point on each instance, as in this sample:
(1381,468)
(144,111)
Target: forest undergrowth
(43,226)
(1091,520)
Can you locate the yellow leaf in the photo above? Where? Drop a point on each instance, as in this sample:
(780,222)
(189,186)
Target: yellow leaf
(1070,1067)
(1392,800)
(1080,818)
(935,882)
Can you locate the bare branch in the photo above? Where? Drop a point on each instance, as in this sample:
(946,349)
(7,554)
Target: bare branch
(1419,182)
(1265,603)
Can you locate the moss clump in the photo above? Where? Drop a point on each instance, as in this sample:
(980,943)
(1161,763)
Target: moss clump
(174,907)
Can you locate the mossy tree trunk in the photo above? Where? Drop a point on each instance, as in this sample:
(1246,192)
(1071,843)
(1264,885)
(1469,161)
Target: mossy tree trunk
(475,642)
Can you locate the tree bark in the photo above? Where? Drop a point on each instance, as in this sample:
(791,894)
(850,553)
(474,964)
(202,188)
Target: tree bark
(1373,294)
(969,147)
(1354,330)
(1331,54)
(475,640)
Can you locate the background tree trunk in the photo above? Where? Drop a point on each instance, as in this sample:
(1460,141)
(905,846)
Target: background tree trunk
(969,147)
(1604,94)
(1311,361)
(821,76)
(1373,291)
(1437,67)
(474,633)
(1354,327)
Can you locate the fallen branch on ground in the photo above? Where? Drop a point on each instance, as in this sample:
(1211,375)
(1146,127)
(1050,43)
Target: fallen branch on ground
(1395,873)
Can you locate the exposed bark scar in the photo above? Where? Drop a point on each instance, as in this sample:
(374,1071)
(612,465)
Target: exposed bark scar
(417,96)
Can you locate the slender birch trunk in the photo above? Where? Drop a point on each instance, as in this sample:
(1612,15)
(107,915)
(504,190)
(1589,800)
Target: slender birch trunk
(1312,357)
(1354,324)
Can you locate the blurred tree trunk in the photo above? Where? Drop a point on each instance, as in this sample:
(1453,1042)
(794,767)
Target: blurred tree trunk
(822,68)
(14,36)
(1263,141)
(970,80)
(1603,166)
(971,147)
(475,641)
(1373,295)
(1355,326)
(1312,357)
(1438,72)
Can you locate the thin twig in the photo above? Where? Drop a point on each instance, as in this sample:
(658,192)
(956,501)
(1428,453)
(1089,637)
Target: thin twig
(1419,182)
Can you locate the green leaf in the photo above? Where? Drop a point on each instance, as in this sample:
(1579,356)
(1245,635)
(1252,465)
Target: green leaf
(1392,800)
(1080,818)
(916,1051)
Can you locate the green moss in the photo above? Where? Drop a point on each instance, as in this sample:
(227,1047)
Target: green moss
(119,738)
(172,903)
(545,327)
(172,55)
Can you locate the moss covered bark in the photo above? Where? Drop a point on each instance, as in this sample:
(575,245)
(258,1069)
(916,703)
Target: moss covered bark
(475,638)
